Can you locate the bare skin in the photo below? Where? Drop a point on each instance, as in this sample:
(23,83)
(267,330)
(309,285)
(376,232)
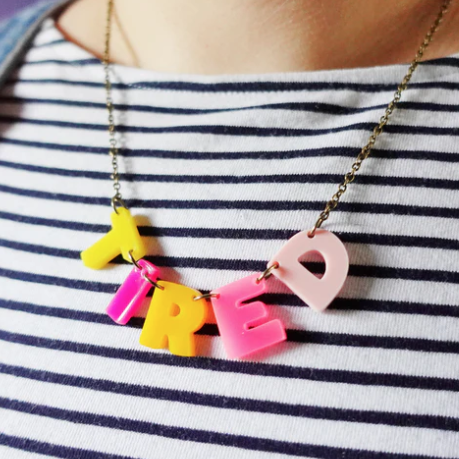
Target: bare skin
(261,36)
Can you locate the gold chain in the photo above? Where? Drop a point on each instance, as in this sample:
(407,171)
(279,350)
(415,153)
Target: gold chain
(117,199)
(348,178)
(366,150)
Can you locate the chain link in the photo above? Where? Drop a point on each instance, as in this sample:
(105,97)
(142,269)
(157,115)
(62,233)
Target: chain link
(366,150)
(349,177)
(117,199)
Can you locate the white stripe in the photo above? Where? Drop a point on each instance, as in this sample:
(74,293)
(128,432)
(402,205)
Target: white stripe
(299,355)
(29,155)
(279,118)
(261,192)
(227,384)
(223,218)
(301,430)
(111,441)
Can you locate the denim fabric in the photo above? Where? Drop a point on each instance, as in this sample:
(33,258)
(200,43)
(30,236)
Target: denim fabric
(16,33)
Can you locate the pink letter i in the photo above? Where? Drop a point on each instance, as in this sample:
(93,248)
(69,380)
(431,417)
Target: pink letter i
(244,327)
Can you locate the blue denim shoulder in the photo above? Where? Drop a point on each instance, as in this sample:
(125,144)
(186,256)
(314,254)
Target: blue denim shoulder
(17,32)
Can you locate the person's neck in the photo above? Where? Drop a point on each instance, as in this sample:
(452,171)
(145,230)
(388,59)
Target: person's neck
(260,36)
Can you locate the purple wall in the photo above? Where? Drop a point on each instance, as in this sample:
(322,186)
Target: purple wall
(9,7)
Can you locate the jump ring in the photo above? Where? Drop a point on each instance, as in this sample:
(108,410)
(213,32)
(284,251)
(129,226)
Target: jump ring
(205,296)
(136,264)
(152,282)
(267,272)
(116,200)
(134,261)
(312,231)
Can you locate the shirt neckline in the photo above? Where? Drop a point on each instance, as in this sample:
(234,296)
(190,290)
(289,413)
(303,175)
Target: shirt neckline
(382,73)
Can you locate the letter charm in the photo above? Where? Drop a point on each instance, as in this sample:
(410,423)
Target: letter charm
(129,297)
(315,292)
(172,319)
(244,328)
(123,238)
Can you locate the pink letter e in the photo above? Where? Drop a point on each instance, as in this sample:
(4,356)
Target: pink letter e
(244,327)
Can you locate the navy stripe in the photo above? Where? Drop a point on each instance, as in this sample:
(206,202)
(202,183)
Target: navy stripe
(40,249)
(398,307)
(230,233)
(237,403)
(373,208)
(39,221)
(352,340)
(422,182)
(348,340)
(373,342)
(63,313)
(271,299)
(228,156)
(247,86)
(199,436)
(52,450)
(237,130)
(80,62)
(239,367)
(442,61)
(59,147)
(299,106)
(315,107)
(295,336)
(59,281)
(381,272)
(59,41)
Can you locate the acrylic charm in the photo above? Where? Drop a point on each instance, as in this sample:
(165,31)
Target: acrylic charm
(245,328)
(172,319)
(129,297)
(315,292)
(123,238)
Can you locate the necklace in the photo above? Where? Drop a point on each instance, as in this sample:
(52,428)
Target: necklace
(176,311)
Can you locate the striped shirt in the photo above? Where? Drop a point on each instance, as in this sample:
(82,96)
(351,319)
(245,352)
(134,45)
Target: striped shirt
(220,171)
